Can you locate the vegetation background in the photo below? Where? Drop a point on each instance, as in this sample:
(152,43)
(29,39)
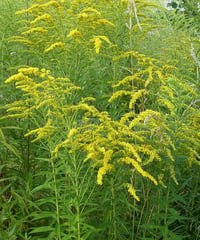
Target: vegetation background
(99,120)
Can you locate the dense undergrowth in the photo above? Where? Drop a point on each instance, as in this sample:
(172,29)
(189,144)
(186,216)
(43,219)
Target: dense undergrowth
(100,121)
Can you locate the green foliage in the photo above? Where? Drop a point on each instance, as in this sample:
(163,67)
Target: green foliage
(105,102)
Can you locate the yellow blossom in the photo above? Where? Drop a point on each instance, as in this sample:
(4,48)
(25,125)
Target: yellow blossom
(72,132)
(35,30)
(128,79)
(102,171)
(20,39)
(90,9)
(15,77)
(74,33)
(82,15)
(167,103)
(97,42)
(54,45)
(30,70)
(42,132)
(132,191)
(60,145)
(150,78)
(138,168)
(51,3)
(168,90)
(104,21)
(136,95)
(126,54)
(144,116)
(119,94)
(45,17)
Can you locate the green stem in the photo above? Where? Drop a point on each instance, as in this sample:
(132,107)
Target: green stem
(77,197)
(56,197)
(113,211)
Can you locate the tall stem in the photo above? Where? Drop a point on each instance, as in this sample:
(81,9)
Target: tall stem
(56,197)
(77,197)
(113,211)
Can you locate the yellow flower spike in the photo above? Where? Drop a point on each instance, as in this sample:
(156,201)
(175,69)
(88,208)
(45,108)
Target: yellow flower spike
(167,103)
(169,154)
(138,168)
(172,174)
(35,30)
(136,96)
(74,33)
(167,90)
(42,132)
(90,9)
(45,17)
(21,39)
(126,54)
(29,71)
(98,43)
(160,180)
(132,191)
(15,77)
(16,109)
(119,94)
(82,15)
(129,79)
(104,22)
(51,3)
(126,117)
(34,7)
(60,145)
(55,45)
(102,171)
(150,78)
(144,117)
(129,148)
(91,155)
(72,132)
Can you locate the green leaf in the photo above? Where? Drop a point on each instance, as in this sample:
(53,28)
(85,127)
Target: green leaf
(12,149)
(42,229)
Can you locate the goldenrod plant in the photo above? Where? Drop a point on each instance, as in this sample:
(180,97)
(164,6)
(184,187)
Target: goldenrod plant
(99,122)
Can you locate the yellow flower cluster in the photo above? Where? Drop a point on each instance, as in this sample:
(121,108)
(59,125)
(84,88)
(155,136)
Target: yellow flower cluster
(74,33)
(35,30)
(137,167)
(136,96)
(32,9)
(45,17)
(90,9)
(144,117)
(102,171)
(129,79)
(150,78)
(19,76)
(30,70)
(119,94)
(105,22)
(54,45)
(42,132)
(98,43)
(21,39)
(132,191)
(167,90)
(130,150)
(106,166)
(167,103)
(126,54)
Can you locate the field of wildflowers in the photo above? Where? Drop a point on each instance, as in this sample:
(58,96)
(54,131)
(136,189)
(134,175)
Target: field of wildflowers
(99,121)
